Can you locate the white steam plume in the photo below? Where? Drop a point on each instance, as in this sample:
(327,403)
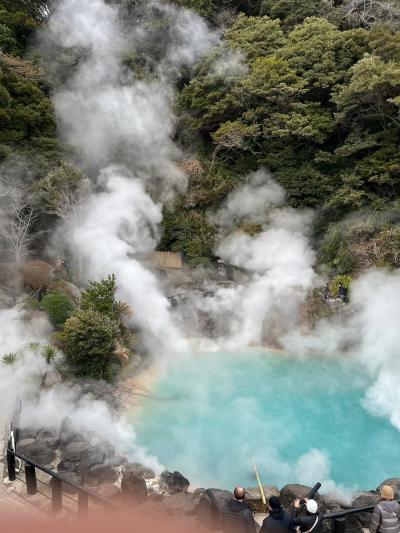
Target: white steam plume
(111,118)
(278,262)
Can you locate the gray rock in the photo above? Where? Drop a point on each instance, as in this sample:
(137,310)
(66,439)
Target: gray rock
(181,503)
(362,520)
(27,433)
(67,466)
(52,378)
(254,499)
(289,493)
(174,482)
(106,448)
(89,458)
(74,451)
(117,460)
(133,488)
(139,470)
(67,433)
(73,477)
(23,444)
(39,452)
(108,490)
(46,434)
(101,474)
(392,482)
(210,507)
(50,442)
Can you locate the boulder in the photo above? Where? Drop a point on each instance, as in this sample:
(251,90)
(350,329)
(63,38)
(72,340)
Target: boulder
(50,442)
(27,433)
(133,488)
(107,490)
(106,448)
(67,433)
(117,460)
(392,482)
(101,474)
(46,434)
(362,520)
(23,444)
(74,451)
(139,470)
(39,451)
(174,482)
(290,493)
(67,466)
(181,503)
(73,477)
(253,497)
(89,458)
(210,507)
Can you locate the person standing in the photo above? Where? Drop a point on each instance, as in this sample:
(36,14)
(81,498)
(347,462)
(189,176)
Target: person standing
(237,516)
(311,520)
(386,516)
(278,520)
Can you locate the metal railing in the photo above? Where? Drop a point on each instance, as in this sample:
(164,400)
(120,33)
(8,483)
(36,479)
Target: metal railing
(56,485)
(338,518)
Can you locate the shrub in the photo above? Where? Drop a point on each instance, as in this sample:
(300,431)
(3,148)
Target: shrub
(334,284)
(100,296)
(58,307)
(89,341)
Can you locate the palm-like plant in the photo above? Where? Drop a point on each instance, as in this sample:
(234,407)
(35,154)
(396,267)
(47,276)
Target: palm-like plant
(10,358)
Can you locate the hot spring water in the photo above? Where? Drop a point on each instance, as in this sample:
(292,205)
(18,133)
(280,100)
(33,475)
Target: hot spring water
(302,421)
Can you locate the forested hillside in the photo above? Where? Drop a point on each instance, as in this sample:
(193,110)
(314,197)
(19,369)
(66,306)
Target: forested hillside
(309,89)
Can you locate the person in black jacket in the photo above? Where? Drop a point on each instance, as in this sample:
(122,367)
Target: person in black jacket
(278,520)
(237,516)
(311,521)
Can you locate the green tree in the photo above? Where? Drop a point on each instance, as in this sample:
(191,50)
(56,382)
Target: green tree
(60,191)
(255,36)
(58,307)
(89,341)
(100,296)
(293,12)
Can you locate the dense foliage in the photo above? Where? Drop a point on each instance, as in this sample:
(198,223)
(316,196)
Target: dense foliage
(316,102)
(94,338)
(309,89)
(58,307)
(89,339)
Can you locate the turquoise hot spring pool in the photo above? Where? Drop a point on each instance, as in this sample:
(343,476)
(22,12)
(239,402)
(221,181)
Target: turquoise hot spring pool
(302,420)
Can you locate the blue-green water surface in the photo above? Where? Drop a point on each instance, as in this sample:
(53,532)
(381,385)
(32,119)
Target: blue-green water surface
(218,410)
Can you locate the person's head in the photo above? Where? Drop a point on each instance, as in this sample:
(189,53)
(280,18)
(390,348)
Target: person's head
(274,503)
(239,493)
(312,506)
(387,492)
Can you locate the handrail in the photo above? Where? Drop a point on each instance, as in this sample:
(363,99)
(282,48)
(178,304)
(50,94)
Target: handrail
(346,512)
(55,475)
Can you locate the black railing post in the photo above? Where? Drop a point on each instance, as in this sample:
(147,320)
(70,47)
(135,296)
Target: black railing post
(30,478)
(83,504)
(56,494)
(11,466)
(339,525)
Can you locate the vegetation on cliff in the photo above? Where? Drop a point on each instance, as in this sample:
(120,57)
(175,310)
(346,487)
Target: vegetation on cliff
(309,89)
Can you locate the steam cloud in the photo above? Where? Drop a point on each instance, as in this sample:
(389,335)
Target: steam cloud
(121,127)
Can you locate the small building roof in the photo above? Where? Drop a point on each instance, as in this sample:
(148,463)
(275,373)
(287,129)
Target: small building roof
(166,260)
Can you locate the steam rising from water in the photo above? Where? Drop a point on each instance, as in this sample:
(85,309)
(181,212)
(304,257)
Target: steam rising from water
(121,129)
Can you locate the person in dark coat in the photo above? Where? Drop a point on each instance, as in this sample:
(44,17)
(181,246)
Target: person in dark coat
(237,516)
(311,520)
(278,520)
